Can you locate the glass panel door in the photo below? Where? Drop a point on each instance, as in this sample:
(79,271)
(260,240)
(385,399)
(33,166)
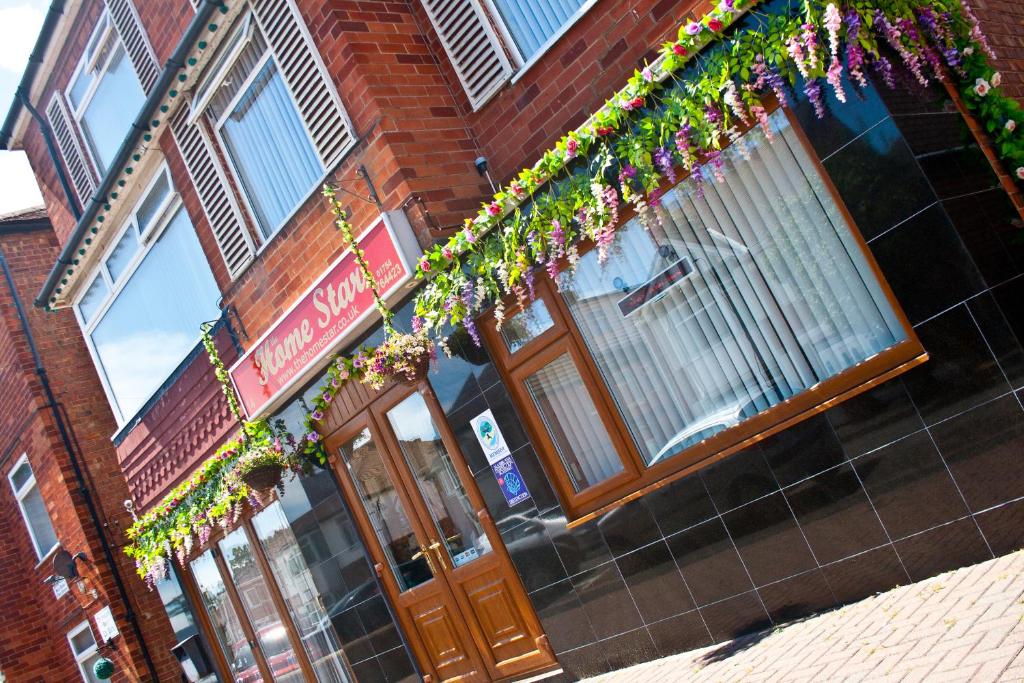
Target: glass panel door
(439,485)
(296,584)
(226,625)
(251,585)
(386,511)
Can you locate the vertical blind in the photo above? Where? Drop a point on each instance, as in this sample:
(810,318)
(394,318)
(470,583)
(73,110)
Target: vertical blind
(748,293)
(533,23)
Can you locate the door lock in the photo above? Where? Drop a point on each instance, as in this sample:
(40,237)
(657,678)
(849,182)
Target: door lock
(436,547)
(426,556)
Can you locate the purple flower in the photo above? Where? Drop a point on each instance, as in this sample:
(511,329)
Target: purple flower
(327,397)
(313,437)
(628,171)
(417,324)
(468,233)
(813,91)
(317,415)
(663,160)
(557,234)
(693,28)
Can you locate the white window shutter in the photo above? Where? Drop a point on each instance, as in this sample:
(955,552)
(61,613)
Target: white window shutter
(215,196)
(135,42)
(306,76)
(472,46)
(82,178)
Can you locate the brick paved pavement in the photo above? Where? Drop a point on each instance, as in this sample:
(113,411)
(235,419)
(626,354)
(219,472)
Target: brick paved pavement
(964,625)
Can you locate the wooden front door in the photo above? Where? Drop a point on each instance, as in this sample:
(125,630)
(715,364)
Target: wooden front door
(436,548)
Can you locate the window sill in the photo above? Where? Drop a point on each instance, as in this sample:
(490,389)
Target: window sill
(552,41)
(49,554)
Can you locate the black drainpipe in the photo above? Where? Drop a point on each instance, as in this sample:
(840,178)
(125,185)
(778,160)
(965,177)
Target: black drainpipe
(44,128)
(83,488)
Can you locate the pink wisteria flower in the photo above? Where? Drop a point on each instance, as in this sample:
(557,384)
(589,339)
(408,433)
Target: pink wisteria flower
(981,87)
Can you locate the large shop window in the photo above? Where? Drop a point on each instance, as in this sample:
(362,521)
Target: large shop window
(750,304)
(105,94)
(142,311)
(33,509)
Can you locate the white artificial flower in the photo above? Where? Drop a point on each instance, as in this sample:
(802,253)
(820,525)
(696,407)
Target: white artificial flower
(981,87)
(997,78)
(1010,126)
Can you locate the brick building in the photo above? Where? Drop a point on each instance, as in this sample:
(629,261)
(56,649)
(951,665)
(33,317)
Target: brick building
(180,148)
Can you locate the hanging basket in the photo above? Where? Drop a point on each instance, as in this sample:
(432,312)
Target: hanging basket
(420,368)
(264,477)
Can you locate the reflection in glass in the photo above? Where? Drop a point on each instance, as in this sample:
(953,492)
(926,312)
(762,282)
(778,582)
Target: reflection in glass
(122,254)
(523,327)
(386,511)
(296,584)
(748,293)
(573,422)
(176,606)
(108,116)
(438,482)
(252,589)
(226,625)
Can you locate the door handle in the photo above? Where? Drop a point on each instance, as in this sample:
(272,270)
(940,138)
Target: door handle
(425,555)
(436,547)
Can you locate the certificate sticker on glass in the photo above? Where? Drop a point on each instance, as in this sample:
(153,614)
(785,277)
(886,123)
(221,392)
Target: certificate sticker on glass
(510,481)
(491,441)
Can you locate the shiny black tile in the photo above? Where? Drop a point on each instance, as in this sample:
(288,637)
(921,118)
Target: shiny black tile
(1003,527)
(735,617)
(533,554)
(910,486)
(679,633)
(957,544)
(961,371)
(835,514)
(865,574)
(844,123)
(1010,298)
(868,168)
(352,635)
(379,625)
(584,662)
(935,133)
(875,418)
(535,478)
(926,264)
(606,601)
(655,583)
(628,527)
(987,223)
(1004,341)
(739,478)
(453,381)
(561,613)
(709,562)
(957,170)
(369,671)
(797,597)
(629,649)
(581,548)
(769,540)
(904,101)
(459,421)
(679,505)
(505,414)
(803,450)
(983,449)
(397,666)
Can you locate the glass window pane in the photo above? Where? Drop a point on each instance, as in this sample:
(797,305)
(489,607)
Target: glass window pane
(252,588)
(270,149)
(38,520)
(226,625)
(82,641)
(154,322)
(533,22)
(176,605)
(122,253)
(20,476)
(300,593)
(114,105)
(573,422)
(93,298)
(386,511)
(446,499)
(750,292)
(147,211)
(87,664)
(526,325)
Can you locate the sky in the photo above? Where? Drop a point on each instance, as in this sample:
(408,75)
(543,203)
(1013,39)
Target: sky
(20,21)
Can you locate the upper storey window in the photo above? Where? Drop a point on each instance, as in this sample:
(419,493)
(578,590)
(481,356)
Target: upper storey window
(272,109)
(142,311)
(484,61)
(105,94)
(33,509)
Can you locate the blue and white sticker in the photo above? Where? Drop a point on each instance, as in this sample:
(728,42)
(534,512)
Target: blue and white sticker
(489,435)
(510,481)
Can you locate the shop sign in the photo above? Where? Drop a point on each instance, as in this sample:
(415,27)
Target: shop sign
(106,625)
(656,287)
(338,306)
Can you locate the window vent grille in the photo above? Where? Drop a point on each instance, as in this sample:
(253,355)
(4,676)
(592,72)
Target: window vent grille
(215,196)
(136,44)
(306,76)
(472,46)
(70,149)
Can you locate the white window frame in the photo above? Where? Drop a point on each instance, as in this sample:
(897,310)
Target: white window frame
(19,495)
(81,657)
(247,23)
(102,33)
(523,62)
(162,218)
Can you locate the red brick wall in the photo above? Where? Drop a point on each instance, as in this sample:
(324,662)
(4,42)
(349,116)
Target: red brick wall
(1003,23)
(33,624)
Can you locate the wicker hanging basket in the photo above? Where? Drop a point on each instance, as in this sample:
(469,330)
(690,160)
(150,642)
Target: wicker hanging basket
(264,477)
(420,368)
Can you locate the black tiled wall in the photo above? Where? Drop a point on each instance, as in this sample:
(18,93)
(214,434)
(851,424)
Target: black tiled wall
(917,476)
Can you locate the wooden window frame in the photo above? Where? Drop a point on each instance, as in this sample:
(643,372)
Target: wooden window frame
(637,479)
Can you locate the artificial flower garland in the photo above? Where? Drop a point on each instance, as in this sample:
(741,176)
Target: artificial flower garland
(674,115)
